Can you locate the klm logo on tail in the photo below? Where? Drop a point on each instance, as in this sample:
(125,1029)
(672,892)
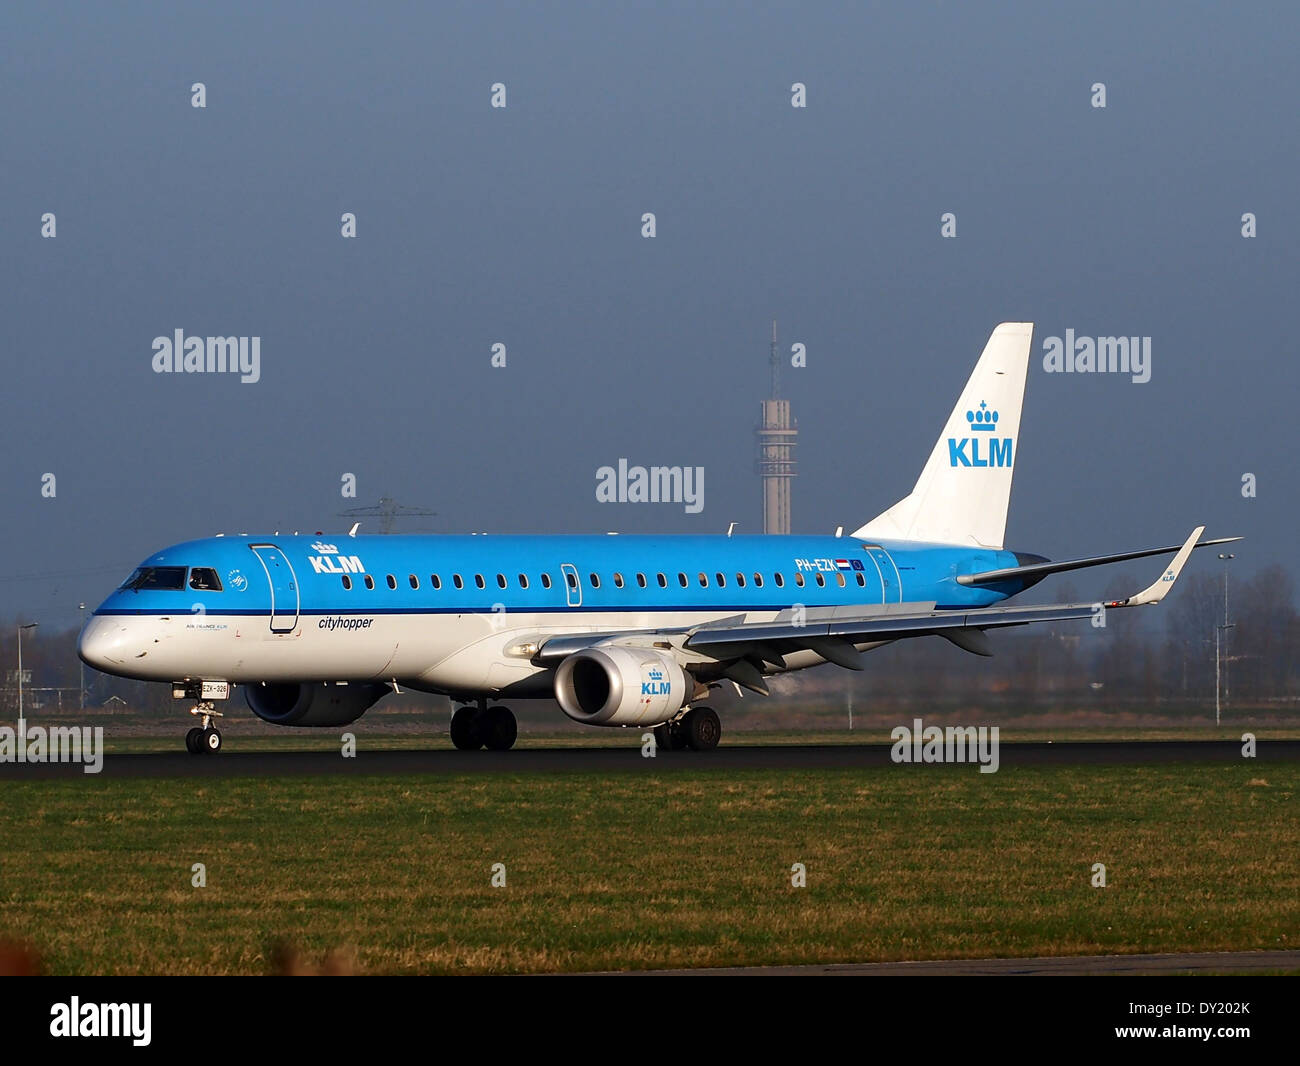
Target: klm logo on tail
(977,450)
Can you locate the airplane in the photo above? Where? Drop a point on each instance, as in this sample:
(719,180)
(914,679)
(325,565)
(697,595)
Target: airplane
(619,630)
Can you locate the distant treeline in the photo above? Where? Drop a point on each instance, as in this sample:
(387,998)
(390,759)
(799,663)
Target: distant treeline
(1142,655)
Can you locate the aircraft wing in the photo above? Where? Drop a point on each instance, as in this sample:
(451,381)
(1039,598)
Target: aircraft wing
(834,637)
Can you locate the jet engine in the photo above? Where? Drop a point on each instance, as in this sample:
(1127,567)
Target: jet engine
(319,703)
(618,685)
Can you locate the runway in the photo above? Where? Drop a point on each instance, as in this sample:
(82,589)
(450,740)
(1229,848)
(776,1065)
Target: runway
(1213,962)
(628,758)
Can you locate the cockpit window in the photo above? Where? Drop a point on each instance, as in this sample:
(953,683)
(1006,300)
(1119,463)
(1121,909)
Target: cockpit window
(204,579)
(163,578)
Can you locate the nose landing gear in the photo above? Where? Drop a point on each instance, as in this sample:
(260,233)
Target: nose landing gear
(205,740)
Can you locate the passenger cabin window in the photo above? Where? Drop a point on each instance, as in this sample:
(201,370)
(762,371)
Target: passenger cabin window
(392,582)
(571,578)
(370,582)
(862,580)
(161,578)
(821,581)
(501,580)
(347,582)
(618,580)
(840,579)
(595,580)
(740,580)
(758,580)
(683,579)
(523,581)
(204,579)
(478,580)
(663,581)
(798,580)
(546,581)
(779,578)
(435,581)
(722,581)
(704,581)
(640,580)
(415,581)
(458,581)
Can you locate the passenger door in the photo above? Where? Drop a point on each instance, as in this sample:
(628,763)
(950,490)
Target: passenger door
(285,599)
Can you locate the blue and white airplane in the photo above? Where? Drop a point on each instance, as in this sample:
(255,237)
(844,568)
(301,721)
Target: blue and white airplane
(619,630)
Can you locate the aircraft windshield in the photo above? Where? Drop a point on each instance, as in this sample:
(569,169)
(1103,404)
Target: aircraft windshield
(165,578)
(204,579)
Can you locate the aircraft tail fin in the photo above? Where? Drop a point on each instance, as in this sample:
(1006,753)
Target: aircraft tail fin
(964,490)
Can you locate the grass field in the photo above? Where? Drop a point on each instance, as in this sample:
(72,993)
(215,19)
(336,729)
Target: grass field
(645,869)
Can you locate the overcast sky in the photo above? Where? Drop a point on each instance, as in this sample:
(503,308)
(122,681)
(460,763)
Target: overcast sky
(522,225)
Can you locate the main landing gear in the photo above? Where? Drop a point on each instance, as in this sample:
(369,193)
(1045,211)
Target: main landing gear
(493,728)
(697,729)
(205,740)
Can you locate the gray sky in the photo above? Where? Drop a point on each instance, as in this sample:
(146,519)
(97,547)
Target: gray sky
(523,225)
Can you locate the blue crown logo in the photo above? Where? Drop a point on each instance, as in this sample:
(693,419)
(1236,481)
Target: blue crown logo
(655,674)
(983,420)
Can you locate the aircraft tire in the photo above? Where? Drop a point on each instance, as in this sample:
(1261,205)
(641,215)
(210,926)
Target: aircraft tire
(498,728)
(702,728)
(465,732)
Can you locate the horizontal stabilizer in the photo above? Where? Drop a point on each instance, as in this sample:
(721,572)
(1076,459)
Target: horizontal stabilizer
(1038,571)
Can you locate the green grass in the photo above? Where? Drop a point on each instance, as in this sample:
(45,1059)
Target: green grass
(649,869)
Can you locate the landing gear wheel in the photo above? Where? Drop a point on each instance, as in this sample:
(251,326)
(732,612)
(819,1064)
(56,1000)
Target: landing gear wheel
(205,739)
(702,728)
(465,732)
(498,728)
(669,737)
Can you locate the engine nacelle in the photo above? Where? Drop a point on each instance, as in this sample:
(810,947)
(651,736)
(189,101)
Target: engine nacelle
(317,703)
(618,685)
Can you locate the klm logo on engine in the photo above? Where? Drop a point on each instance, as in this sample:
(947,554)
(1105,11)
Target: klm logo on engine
(656,686)
(334,563)
(977,450)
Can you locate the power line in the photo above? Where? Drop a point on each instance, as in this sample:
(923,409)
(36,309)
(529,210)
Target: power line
(388,510)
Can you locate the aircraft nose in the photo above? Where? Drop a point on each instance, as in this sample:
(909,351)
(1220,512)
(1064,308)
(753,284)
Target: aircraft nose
(102,644)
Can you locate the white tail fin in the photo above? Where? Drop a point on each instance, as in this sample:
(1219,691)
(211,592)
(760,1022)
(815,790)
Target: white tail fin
(963,493)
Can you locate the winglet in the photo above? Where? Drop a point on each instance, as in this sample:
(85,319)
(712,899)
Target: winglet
(1157,591)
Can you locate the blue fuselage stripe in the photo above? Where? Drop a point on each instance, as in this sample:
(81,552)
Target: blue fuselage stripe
(312,582)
